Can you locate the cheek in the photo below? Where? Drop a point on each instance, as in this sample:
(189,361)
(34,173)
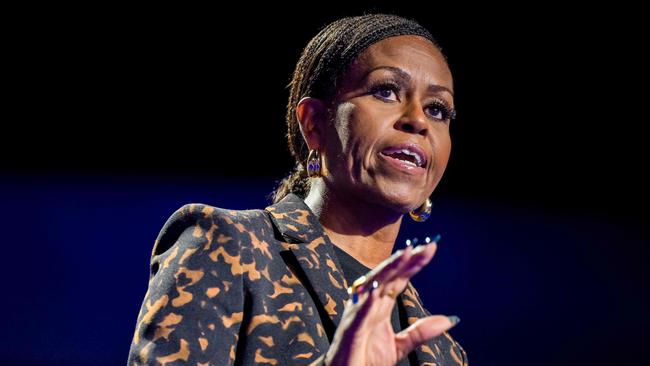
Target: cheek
(442,151)
(342,123)
(365,128)
(350,142)
(353,130)
(340,140)
(444,148)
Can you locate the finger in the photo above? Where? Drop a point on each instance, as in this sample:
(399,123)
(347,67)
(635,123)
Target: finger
(368,308)
(376,298)
(394,282)
(419,260)
(388,268)
(393,265)
(393,274)
(421,331)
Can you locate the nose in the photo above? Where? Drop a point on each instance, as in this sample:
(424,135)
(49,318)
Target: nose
(413,120)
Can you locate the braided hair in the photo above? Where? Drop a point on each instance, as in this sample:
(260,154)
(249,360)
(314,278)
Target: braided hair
(320,68)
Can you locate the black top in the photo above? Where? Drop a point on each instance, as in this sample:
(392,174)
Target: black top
(352,270)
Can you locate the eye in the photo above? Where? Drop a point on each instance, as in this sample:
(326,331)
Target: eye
(385,92)
(440,111)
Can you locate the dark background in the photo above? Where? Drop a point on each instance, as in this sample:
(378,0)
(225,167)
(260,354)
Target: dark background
(116,116)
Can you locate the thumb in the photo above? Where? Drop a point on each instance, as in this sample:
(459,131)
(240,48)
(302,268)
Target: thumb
(421,331)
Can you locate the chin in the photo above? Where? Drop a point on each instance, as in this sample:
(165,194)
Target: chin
(402,200)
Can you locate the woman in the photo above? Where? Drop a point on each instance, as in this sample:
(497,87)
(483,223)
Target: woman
(368,118)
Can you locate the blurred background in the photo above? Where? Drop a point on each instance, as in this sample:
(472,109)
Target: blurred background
(115,116)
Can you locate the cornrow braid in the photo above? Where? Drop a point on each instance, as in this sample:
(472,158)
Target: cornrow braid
(320,67)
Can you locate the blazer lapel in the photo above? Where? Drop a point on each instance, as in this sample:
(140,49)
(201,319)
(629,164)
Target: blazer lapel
(414,311)
(440,350)
(305,238)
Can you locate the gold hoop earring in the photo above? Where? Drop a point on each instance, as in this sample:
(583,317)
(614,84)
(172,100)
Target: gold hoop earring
(314,164)
(423,212)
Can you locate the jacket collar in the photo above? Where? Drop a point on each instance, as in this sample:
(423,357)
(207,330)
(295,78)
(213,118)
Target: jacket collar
(295,221)
(314,252)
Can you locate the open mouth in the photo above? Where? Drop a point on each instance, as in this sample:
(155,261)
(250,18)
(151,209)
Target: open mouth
(407,155)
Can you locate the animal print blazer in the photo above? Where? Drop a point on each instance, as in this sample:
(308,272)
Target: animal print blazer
(251,287)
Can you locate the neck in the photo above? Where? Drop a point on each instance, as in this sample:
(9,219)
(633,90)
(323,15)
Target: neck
(364,230)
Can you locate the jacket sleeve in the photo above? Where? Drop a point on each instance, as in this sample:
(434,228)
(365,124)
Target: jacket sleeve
(194,304)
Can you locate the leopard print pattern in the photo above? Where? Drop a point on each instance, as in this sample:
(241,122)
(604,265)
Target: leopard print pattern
(250,287)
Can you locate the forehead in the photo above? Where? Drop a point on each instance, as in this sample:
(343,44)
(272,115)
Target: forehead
(413,54)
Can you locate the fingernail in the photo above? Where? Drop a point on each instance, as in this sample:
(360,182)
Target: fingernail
(453,319)
(401,252)
(355,297)
(436,239)
(374,286)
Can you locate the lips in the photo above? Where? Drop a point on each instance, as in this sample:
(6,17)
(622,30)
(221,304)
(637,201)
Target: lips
(410,155)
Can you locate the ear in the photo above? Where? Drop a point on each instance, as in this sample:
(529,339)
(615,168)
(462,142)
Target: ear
(311,115)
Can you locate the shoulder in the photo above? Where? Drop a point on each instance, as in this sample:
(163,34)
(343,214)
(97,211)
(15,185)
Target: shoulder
(197,224)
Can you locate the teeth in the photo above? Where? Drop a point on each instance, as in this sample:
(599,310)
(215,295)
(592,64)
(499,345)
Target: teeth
(408,162)
(411,153)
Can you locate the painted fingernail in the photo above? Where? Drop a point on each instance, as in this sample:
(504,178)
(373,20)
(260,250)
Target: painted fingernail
(375,284)
(355,297)
(453,319)
(436,238)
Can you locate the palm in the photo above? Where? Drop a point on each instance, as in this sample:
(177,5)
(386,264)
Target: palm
(381,348)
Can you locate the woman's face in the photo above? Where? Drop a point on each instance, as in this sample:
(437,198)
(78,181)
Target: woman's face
(388,140)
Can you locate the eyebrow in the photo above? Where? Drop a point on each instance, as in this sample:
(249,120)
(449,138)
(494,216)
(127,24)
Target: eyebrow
(433,88)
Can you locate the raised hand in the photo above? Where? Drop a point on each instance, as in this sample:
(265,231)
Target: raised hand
(365,335)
